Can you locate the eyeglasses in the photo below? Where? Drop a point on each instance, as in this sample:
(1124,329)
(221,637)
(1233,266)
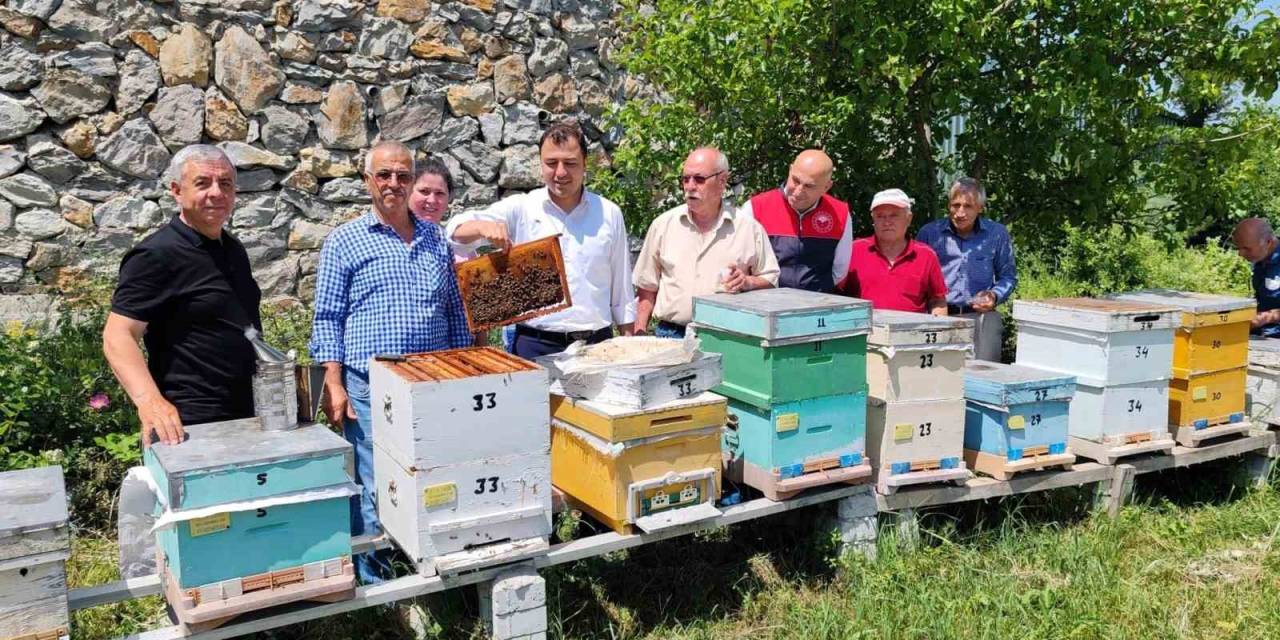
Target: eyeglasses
(387,175)
(698,180)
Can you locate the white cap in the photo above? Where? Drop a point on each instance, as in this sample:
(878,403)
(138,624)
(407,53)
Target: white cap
(895,197)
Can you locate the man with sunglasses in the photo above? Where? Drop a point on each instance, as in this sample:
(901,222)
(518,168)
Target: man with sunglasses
(891,270)
(700,247)
(808,229)
(593,240)
(385,285)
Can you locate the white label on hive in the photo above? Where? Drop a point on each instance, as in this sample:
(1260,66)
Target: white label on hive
(903,431)
(1017,422)
(787,422)
(209,524)
(438,494)
(1199,393)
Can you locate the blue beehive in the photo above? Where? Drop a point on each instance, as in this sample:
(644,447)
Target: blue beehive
(796,445)
(1015,414)
(305,473)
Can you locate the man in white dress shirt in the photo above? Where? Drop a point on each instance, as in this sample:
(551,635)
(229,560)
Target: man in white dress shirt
(593,239)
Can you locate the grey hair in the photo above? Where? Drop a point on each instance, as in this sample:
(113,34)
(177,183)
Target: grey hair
(971,185)
(390,144)
(199,153)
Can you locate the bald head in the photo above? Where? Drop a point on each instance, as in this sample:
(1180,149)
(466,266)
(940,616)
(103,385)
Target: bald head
(1254,239)
(809,179)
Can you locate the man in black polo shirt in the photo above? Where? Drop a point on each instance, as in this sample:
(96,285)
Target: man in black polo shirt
(188,293)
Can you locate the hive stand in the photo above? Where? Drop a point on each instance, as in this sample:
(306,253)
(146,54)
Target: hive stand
(1110,453)
(1193,437)
(513,604)
(855,518)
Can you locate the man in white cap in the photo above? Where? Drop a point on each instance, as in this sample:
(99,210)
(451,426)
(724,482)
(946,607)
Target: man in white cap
(891,270)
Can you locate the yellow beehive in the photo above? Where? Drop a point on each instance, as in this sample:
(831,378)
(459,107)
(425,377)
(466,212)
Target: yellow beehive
(1214,330)
(1207,399)
(650,469)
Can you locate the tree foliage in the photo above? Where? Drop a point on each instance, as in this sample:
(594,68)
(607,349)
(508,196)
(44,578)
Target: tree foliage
(1068,106)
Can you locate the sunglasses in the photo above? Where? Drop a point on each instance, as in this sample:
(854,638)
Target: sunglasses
(386,176)
(698,180)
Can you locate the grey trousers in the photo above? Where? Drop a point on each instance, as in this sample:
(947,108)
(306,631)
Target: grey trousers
(988,335)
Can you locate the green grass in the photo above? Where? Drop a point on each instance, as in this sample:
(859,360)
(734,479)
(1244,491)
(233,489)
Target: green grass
(1194,557)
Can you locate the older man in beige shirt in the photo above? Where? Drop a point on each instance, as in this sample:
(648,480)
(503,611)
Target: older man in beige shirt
(702,246)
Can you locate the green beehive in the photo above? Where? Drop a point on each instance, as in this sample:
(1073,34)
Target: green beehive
(784,345)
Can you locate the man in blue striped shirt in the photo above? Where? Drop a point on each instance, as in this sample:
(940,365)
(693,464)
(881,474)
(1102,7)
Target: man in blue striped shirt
(385,285)
(977,264)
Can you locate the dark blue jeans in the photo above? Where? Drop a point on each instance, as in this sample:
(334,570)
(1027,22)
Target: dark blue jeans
(373,566)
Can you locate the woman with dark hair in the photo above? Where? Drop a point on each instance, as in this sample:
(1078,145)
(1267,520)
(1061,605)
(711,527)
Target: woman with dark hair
(432,188)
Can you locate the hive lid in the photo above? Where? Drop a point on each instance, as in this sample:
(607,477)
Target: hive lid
(1191,301)
(904,327)
(1096,314)
(240,443)
(32,500)
(775,314)
(1000,384)
(455,364)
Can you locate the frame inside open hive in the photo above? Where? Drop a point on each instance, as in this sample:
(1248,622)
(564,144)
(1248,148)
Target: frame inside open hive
(455,364)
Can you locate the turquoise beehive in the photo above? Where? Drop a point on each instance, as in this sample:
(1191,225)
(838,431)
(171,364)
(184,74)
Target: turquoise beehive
(222,467)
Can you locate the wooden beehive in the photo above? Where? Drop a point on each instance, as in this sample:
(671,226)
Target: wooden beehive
(1016,418)
(543,254)
(914,436)
(1101,342)
(651,482)
(642,388)
(1213,333)
(615,462)
(459,405)
(783,345)
(34,547)
(917,356)
(1208,399)
(796,445)
(1262,394)
(223,472)
(461,451)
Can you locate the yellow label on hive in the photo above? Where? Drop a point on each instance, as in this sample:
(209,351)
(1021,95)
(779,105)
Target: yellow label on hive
(209,524)
(788,422)
(1017,422)
(438,494)
(903,431)
(1199,393)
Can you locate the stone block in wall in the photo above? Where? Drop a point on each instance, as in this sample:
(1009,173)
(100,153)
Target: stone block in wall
(340,122)
(452,132)
(39,224)
(68,93)
(52,161)
(135,149)
(511,79)
(28,190)
(139,78)
(387,38)
(178,116)
(223,120)
(245,72)
(418,116)
(20,68)
(186,57)
(327,15)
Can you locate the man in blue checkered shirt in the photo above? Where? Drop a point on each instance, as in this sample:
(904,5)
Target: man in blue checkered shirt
(385,286)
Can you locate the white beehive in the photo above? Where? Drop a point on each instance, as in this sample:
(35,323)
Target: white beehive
(1262,393)
(916,356)
(461,452)
(1101,342)
(1121,414)
(457,406)
(34,547)
(910,437)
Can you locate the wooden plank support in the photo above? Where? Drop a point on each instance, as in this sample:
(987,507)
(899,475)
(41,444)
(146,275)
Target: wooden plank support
(1113,494)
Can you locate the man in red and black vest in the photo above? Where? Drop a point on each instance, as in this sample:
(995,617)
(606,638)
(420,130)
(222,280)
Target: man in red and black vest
(809,230)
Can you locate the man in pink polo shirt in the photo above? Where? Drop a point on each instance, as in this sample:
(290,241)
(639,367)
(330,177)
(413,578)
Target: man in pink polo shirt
(891,270)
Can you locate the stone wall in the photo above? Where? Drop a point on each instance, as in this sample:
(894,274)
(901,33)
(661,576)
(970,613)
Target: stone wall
(96,94)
